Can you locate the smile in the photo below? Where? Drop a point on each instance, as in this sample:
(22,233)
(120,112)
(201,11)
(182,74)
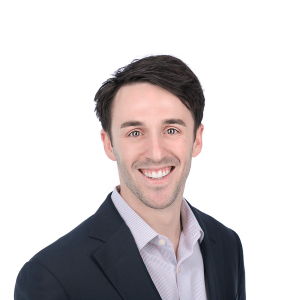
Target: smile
(157,174)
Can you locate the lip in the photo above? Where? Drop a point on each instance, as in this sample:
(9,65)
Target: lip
(165,180)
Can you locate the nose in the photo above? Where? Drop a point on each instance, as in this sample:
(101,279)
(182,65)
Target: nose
(155,148)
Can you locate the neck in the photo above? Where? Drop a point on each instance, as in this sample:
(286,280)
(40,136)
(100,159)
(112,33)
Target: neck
(166,222)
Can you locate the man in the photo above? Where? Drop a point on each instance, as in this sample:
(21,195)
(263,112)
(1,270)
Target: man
(145,241)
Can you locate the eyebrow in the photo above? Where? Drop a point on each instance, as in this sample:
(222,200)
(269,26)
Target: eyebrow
(164,122)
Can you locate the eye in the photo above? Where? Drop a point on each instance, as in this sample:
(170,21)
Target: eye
(132,133)
(173,130)
(136,133)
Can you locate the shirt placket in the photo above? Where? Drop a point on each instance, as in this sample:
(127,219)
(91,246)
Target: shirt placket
(167,250)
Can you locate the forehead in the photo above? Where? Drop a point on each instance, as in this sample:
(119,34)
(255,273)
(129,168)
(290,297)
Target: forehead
(144,101)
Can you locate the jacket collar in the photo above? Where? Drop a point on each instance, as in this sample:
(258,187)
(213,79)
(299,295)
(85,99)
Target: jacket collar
(118,256)
(211,253)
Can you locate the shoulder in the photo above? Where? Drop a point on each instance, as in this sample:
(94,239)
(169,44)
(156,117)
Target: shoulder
(68,247)
(60,257)
(48,269)
(68,266)
(78,246)
(61,267)
(36,281)
(215,229)
(225,244)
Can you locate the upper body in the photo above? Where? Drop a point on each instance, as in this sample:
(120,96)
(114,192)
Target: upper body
(151,114)
(99,259)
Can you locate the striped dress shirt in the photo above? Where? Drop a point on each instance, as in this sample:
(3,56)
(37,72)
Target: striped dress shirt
(174,279)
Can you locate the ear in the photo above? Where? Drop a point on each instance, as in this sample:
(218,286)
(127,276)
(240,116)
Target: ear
(107,145)
(197,147)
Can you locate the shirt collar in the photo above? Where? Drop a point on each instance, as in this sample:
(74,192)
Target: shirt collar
(191,228)
(143,233)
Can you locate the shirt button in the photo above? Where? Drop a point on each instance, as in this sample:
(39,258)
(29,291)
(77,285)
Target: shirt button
(162,242)
(179,270)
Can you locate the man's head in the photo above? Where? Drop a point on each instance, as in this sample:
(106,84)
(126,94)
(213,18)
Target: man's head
(165,71)
(151,114)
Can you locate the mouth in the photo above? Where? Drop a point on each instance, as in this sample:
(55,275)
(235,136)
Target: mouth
(160,176)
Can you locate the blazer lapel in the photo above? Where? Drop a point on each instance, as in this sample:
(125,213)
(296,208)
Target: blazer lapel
(212,256)
(119,256)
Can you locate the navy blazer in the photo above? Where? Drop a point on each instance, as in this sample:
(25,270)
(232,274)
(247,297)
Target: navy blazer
(99,260)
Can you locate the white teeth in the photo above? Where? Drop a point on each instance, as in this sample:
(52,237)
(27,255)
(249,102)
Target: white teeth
(160,174)
(154,175)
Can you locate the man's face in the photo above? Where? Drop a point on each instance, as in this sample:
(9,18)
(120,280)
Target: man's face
(152,135)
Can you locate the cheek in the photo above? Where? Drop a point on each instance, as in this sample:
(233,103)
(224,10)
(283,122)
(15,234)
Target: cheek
(128,155)
(182,151)
(133,148)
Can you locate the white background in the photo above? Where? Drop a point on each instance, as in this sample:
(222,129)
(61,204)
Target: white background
(54,172)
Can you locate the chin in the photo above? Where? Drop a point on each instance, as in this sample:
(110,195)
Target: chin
(157,202)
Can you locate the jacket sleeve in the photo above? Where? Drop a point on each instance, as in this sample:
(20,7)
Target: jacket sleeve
(36,282)
(241,273)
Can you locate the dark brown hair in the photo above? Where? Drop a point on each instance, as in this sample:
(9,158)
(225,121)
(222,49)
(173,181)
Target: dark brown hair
(166,71)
